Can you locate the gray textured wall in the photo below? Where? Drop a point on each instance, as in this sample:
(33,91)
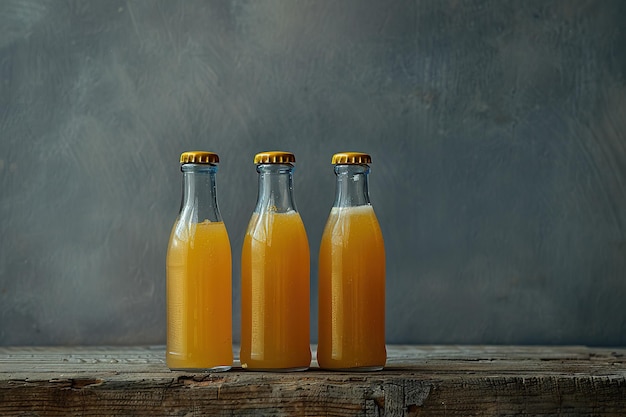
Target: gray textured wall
(497,128)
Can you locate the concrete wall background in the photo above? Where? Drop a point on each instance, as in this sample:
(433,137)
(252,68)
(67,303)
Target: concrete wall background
(497,128)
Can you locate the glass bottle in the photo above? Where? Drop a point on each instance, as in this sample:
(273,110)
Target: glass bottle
(199,274)
(351,332)
(275,268)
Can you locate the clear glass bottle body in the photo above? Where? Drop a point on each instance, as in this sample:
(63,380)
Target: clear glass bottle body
(351,326)
(199,278)
(275,269)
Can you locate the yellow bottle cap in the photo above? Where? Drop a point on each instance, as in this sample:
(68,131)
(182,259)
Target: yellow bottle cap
(274,157)
(352,158)
(199,157)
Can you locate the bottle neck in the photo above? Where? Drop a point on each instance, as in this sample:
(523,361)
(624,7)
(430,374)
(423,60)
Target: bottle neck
(352,189)
(199,202)
(275,188)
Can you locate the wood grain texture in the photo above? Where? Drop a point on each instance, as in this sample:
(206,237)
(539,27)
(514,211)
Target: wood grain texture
(419,380)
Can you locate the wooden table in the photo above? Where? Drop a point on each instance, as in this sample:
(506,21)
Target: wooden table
(418,380)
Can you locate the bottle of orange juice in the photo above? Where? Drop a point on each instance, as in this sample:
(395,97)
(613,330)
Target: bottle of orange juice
(275,268)
(199,269)
(351,332)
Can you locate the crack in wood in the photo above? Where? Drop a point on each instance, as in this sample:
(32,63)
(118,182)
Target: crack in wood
(85,383)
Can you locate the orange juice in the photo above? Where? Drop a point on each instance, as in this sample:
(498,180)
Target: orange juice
(275,293)
(352,291)
(199,289)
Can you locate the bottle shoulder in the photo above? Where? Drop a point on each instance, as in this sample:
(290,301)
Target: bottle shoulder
(353,220)
(266,225)
(184,230)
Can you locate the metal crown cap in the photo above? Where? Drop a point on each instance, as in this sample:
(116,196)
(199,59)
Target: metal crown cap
(274,157)
(199,157)
(351,158)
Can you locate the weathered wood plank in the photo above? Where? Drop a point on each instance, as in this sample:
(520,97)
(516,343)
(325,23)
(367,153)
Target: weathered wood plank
(419,380)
